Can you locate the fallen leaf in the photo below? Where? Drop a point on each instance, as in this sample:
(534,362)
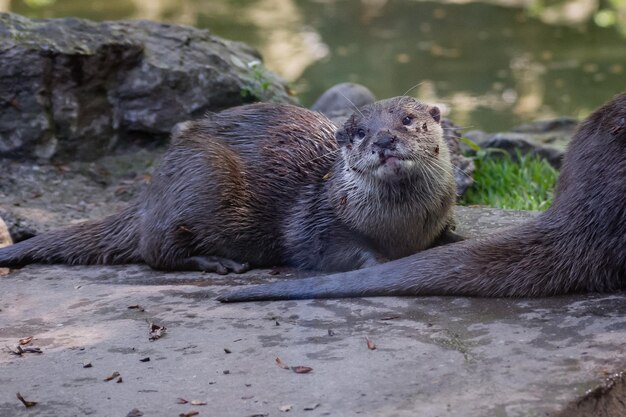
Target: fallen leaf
(26,340)
(280,363)
(189,414)
(311,407)
(156,331)
(134,413)
(227,350)
(285,408)
(26,403)
(181,401)
(19,350)
(112,376)
(146,359)
(301,369)
(137,307)
(370,345)
(87,365)
(197,402)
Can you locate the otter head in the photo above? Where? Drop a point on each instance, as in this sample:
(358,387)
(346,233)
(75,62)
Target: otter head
(393,139)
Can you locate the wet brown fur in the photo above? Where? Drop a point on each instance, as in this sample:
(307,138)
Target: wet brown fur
(577,245)
(262,185)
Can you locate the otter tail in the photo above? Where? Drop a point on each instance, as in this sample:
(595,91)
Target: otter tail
(523,262)
(112,240)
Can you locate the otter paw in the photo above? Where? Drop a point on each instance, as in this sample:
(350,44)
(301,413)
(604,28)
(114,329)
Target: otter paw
(215,264)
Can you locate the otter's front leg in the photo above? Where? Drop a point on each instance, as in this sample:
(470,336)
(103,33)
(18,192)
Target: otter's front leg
(334,249)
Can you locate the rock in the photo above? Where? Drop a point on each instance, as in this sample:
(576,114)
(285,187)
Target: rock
(73,89)
(435,356)
(547,139)
(341,100)
(35,198)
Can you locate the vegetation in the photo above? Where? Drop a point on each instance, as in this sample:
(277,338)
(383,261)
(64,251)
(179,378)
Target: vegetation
(521,183)
(260,83)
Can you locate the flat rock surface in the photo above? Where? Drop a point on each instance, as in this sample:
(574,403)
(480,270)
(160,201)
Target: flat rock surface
(434,356)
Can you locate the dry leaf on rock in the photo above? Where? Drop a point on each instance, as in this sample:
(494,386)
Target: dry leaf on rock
(311,407)
(198,402)
(370,345)
(280,363)
(26,403)
(156,331)
(26,340)
(112,376)
(19,350)
(189,414)
(301,369)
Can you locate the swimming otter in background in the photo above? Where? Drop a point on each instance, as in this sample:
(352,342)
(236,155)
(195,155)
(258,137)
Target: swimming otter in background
(268,184)
(577,245)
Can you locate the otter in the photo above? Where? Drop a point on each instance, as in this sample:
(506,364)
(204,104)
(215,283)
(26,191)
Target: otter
(577,245)
(272,184)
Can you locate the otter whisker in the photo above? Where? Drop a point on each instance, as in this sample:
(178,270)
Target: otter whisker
(350,101)
(412,88)
(324,155)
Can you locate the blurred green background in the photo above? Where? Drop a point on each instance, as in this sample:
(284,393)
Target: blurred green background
(494,64)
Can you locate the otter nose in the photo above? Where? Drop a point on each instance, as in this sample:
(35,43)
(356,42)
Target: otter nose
(385,140)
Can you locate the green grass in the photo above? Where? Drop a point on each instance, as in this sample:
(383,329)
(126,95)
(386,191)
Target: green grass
(523,184)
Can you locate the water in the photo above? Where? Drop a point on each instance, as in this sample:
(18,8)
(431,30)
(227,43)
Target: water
(493,64)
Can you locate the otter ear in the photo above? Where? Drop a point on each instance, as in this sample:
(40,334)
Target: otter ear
(342,137)
(436,113)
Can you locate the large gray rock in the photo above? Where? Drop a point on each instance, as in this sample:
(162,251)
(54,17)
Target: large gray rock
(71,88)
(434,356)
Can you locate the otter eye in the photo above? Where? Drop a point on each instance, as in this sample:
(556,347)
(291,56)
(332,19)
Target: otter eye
(360,133)
(407,120)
